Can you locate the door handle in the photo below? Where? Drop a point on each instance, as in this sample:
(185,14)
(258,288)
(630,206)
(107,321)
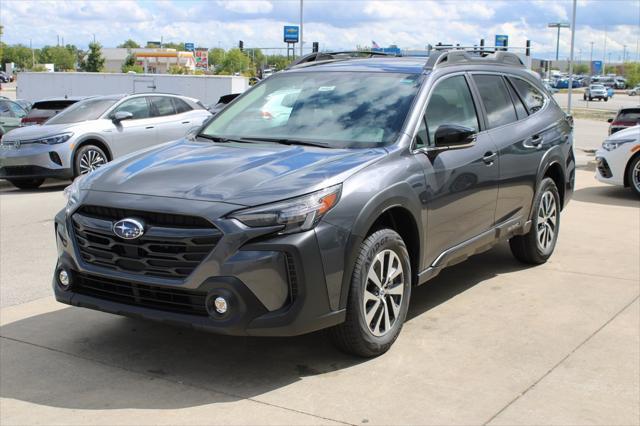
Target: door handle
(149,127)
(489,157)
(536,140)
(186,122)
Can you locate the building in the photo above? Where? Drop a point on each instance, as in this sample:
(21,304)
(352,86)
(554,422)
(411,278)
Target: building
(152,60)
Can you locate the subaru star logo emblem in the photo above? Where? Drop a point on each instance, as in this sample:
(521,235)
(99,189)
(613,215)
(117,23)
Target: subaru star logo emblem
(129,228)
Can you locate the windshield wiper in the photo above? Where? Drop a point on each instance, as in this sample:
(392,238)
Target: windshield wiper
(285,141)
(219,139)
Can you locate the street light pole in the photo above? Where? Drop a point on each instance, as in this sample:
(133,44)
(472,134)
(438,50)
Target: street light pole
(301,42)
(558,25)
(573,39)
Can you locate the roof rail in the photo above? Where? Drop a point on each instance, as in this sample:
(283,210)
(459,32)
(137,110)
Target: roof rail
(323,57)
(475,55)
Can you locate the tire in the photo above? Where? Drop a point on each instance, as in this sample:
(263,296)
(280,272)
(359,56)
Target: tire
(356,335)
(606,99)
(33,183)
(584,98)
(633,174)
(529,248)
(87,159)
(590,98)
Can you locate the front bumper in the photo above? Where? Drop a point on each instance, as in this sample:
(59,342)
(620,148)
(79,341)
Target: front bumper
(35,161)
(610,166)
(275,286)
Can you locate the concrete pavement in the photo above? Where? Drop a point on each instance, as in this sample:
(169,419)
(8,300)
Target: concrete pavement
(489,341)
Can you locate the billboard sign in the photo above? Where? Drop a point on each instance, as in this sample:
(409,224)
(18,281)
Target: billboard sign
(291,34)
(502,40)
(189,47)
(154,44)
(596,68)
(202,59)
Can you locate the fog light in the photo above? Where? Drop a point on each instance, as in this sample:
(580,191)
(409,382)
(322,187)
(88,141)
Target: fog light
(63,278)
(220,304)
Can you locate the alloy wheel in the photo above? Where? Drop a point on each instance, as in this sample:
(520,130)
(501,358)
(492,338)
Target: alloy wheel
(91,160)
(383,292)
(547,221)
(635,176)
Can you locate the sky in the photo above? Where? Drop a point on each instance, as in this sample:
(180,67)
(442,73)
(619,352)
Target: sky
(335,24)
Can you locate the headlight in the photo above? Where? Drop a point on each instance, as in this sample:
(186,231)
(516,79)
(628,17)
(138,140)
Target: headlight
(610,145)
(55,139)
(295,215)
(72,193)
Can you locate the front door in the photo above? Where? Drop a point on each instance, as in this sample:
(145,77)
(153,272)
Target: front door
(135,133)
(462,184)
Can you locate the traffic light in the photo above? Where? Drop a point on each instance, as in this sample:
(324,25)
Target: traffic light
(316,46)
(241,45)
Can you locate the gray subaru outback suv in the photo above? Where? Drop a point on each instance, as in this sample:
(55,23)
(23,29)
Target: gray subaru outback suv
(321,196)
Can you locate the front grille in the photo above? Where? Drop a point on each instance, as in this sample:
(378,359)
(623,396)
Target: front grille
(292,276)
(154,297)
(20,171)
(171,247)
(603,168)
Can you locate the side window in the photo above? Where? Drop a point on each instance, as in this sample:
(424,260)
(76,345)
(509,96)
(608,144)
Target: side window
(136,106)
(161,106)
(18,111)
(421,137)
(496,100)
(533,98)
(521,111)
(450,103)
(5,111)
(181,106)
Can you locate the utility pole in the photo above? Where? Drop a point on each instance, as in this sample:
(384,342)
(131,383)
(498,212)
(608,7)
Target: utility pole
(94,38)
(33,55)
(604,53)
(301,42)
(624,53)
(573,40)
(591,59)
(558,25)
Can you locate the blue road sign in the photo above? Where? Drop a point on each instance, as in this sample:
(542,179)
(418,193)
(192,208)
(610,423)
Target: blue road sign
(189,47)
(596,67)
(291,34)
(502,40)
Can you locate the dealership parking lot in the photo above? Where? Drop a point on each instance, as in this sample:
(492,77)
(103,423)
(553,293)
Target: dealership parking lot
(488,341)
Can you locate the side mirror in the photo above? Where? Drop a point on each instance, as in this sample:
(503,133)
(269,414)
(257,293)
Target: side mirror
(122,115)
(610,120)
(453,136)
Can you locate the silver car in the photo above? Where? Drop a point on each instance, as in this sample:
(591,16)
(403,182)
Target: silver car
(92,132)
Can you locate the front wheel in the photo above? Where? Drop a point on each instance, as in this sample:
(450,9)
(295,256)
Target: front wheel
(538,244)
(88,158)
(378,296)
(633,175)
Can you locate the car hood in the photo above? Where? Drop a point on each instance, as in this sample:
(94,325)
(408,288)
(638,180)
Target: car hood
(37,132)
(247,174)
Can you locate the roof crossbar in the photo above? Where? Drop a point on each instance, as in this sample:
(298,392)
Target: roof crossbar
(323,57)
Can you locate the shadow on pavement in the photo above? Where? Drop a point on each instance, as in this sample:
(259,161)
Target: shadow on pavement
(49,186)
(608,195)
(41,371)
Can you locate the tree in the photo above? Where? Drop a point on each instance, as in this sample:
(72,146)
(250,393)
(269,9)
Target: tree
(280,62)
(234,62)
(632,73)
(130,65)
(129,44)
(580,69)
(178,69)
(95,60)
(171,45)
(62,58)
(19,54)
(216,56)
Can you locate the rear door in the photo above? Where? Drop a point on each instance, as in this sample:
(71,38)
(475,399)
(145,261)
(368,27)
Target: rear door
(462,184)
(10,116)
(165,118)
(136,133)
(513,113)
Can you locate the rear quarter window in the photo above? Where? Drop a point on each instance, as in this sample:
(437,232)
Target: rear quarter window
(532,97)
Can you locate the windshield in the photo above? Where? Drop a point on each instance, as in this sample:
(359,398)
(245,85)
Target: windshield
(597,87)
(89,109)
(336,109)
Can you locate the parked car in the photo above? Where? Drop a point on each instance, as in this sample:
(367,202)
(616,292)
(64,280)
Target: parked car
(618,161)
(620,83)
(10,115)
(43,110)
(626,117)
(5,78)
(563,83)
(94,131)
(634,91)
(385,171)
(596,91)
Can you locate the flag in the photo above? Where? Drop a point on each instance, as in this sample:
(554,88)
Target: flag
(374,45)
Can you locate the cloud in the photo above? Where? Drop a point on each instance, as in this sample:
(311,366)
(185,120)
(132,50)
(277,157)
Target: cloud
(336,24)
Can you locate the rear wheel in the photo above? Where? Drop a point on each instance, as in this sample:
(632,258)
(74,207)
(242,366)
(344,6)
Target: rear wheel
(538,244)
(378,296)
(88,158)
(27,183)
(633,174)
